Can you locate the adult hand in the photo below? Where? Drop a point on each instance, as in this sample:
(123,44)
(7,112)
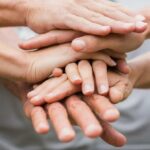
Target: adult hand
(114,43)
(82,16)
(90,125)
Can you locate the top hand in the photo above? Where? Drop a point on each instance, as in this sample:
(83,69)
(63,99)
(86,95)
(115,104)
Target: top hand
(89,16)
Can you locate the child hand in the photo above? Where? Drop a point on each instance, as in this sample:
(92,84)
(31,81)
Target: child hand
(58,88)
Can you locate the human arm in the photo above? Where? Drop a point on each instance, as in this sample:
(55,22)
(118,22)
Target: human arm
(141,69)
(20,65)
(40,122)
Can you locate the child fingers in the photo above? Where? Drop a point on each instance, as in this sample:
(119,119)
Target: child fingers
(37,96)
(62,91)
(57,72)
(100,72)
(73,73)
(86,73)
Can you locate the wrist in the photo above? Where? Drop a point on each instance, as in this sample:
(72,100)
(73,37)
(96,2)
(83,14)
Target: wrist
(136,72)
(12,13)
(14,65)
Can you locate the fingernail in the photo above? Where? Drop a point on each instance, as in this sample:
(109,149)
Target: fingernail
(129,25)
(93,130)
(111,115)
(140,24)
(66,135)
(103,89)
(113,63)
(140,18)
(42,128)
(88,89)
(50,97)
(79,45)
(31,94)
(35,99)
(76,79)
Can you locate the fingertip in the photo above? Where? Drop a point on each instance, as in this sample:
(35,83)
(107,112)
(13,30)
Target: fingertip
(116,96)
(49,98)
(111,115)
(37,100)
(140,18)
(105,30)
(24,45)
(42,128)
(76,80)
(93,131)
(78,45)
(31,94)
(128,27)
(57,72)
(141,26)
(66,135)
(122,140)
(88,89)
(103,89)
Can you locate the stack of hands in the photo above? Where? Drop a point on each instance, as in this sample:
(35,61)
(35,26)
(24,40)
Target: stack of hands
(76,75)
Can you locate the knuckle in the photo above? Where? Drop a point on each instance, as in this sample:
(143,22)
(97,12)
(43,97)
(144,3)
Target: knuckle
(94,17)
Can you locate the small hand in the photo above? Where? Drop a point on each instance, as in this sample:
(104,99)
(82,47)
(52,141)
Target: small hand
(116,84)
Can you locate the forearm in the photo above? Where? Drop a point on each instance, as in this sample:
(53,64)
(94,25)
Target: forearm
(11,58)
(12,13)
(140,67)
(146,13)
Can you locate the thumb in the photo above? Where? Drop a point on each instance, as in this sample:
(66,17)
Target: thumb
(48,39)
(120,91)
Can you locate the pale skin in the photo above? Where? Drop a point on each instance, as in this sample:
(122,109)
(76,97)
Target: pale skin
(120,87)
(95,17)
(89,43)
(26,64)
(117,85)
(113,42)
(38,114)
(41,79)
(90,16)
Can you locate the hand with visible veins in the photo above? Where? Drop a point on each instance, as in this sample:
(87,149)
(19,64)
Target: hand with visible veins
(72,107)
